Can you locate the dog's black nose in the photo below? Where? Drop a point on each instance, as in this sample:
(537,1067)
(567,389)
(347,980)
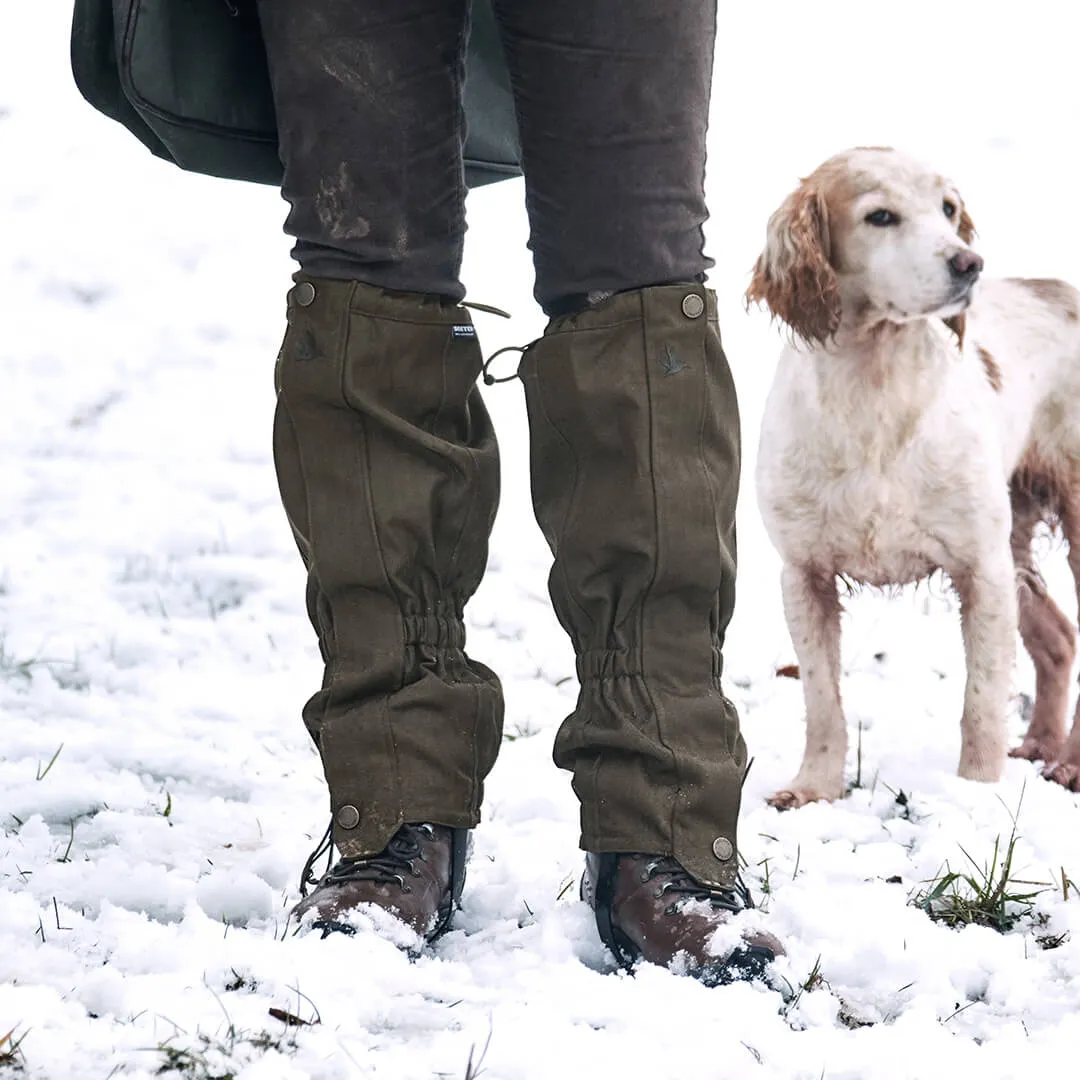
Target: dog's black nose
(965,264)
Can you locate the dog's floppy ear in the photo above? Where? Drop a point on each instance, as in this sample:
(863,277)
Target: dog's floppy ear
(793,275)
(965,229)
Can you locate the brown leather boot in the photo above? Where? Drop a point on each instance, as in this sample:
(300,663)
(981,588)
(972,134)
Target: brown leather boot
(649,908)
(418,878)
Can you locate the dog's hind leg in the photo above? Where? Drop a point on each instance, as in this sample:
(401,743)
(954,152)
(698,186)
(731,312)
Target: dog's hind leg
(1063,767)
(812,608)
(1048,636)
(1065,770)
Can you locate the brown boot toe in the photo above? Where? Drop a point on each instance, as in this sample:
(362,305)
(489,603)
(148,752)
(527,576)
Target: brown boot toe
(417,878)
(649,908)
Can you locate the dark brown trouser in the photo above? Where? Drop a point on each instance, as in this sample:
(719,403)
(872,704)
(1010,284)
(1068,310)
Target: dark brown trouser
(612,101)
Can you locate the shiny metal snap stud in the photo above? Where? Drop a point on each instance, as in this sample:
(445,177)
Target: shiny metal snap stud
(723,848)
(348,817)
(304,293)
(692,305)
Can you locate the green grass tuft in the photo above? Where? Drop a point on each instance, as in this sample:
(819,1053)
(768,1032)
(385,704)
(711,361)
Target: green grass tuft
(10,1055)
(985,895)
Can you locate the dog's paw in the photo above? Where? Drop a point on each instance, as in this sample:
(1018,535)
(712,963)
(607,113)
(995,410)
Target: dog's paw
(1038,748)
(794,797)
(1064,773)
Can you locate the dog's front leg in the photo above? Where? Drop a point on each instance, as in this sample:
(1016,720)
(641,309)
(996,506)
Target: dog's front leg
(812,609)
(988,618)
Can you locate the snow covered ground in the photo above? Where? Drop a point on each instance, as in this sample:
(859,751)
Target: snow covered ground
(158,793)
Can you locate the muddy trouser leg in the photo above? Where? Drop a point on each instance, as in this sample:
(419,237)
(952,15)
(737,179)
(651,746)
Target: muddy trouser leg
(385,455)
(634,424)
(370,125)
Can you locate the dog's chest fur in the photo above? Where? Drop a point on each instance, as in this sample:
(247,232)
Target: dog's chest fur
(868,520)
(876,468)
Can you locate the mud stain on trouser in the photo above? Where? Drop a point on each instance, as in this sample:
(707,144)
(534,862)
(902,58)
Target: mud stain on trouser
(335,207)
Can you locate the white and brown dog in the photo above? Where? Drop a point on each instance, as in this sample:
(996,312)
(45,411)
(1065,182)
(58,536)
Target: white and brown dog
(917,422)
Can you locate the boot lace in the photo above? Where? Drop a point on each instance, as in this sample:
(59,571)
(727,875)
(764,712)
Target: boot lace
(674,879)
(389,867)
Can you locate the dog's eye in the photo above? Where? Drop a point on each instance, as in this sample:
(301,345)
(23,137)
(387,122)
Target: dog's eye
(882,217)
(949,208)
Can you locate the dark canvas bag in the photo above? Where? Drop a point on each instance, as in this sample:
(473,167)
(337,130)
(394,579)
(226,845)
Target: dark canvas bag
(189,79)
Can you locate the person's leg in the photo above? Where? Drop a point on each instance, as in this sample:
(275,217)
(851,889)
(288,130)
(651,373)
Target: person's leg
(612,99)
(634,431)
(385,455)
(368,98)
